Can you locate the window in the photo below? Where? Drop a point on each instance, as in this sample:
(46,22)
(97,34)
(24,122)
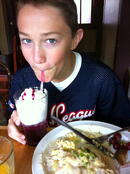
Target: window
(84,8)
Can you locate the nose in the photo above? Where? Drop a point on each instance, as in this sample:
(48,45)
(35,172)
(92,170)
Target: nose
(38,55)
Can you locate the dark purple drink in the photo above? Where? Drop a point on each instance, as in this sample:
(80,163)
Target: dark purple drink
(34,133)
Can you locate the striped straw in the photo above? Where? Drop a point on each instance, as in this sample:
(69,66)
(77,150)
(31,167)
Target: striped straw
(42,81)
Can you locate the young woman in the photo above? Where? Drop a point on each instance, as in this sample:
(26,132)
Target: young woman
(78,87)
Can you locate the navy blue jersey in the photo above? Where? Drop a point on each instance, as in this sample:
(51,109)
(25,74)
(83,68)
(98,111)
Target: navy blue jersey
(96,93)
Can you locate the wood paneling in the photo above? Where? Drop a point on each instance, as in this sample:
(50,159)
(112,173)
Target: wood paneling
(110,28)
(123,44)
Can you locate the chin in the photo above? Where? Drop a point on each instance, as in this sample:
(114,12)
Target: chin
(49,76)
(47,80)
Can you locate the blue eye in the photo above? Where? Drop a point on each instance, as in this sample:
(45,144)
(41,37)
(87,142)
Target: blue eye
(51,41)
(26,41)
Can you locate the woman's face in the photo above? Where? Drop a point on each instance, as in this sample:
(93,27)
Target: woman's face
(46,41)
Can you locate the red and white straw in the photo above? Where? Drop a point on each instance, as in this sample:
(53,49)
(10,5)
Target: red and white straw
(42,81)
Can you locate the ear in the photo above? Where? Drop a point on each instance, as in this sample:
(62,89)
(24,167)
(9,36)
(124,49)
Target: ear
(77,38)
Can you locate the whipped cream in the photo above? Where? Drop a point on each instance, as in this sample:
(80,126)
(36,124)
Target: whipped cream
(32,106)
(32,94)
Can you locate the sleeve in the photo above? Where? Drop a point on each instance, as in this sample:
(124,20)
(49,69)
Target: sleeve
(113,103)
(16,84)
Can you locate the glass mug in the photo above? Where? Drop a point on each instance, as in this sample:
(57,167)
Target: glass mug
(32,114)
(6,156)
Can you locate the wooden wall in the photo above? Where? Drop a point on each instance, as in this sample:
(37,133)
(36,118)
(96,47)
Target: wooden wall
(3,35)
(109,31)
(122,62)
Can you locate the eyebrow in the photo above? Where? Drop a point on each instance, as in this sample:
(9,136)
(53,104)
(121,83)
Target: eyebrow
(22,33)
(43,34)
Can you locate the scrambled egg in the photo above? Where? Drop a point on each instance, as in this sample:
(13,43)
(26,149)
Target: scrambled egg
(69,155)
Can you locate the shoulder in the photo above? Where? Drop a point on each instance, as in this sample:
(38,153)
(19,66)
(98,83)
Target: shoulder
(23,72)
(98,70)
(93,62)
(24,77)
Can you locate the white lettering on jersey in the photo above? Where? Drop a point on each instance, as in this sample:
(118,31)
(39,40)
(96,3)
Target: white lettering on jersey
(60,109)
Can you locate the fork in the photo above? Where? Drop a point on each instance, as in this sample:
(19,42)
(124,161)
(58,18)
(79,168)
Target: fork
(96,144)
(103,138)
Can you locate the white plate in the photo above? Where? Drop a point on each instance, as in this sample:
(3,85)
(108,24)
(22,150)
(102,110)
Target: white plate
(59,131)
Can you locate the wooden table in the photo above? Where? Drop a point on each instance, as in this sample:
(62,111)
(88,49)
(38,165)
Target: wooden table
(22,154)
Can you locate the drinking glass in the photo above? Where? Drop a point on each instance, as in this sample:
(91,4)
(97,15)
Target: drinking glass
(33,115)
(6,156)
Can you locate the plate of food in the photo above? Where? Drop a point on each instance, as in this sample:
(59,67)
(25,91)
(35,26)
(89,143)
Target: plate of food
(61,150)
